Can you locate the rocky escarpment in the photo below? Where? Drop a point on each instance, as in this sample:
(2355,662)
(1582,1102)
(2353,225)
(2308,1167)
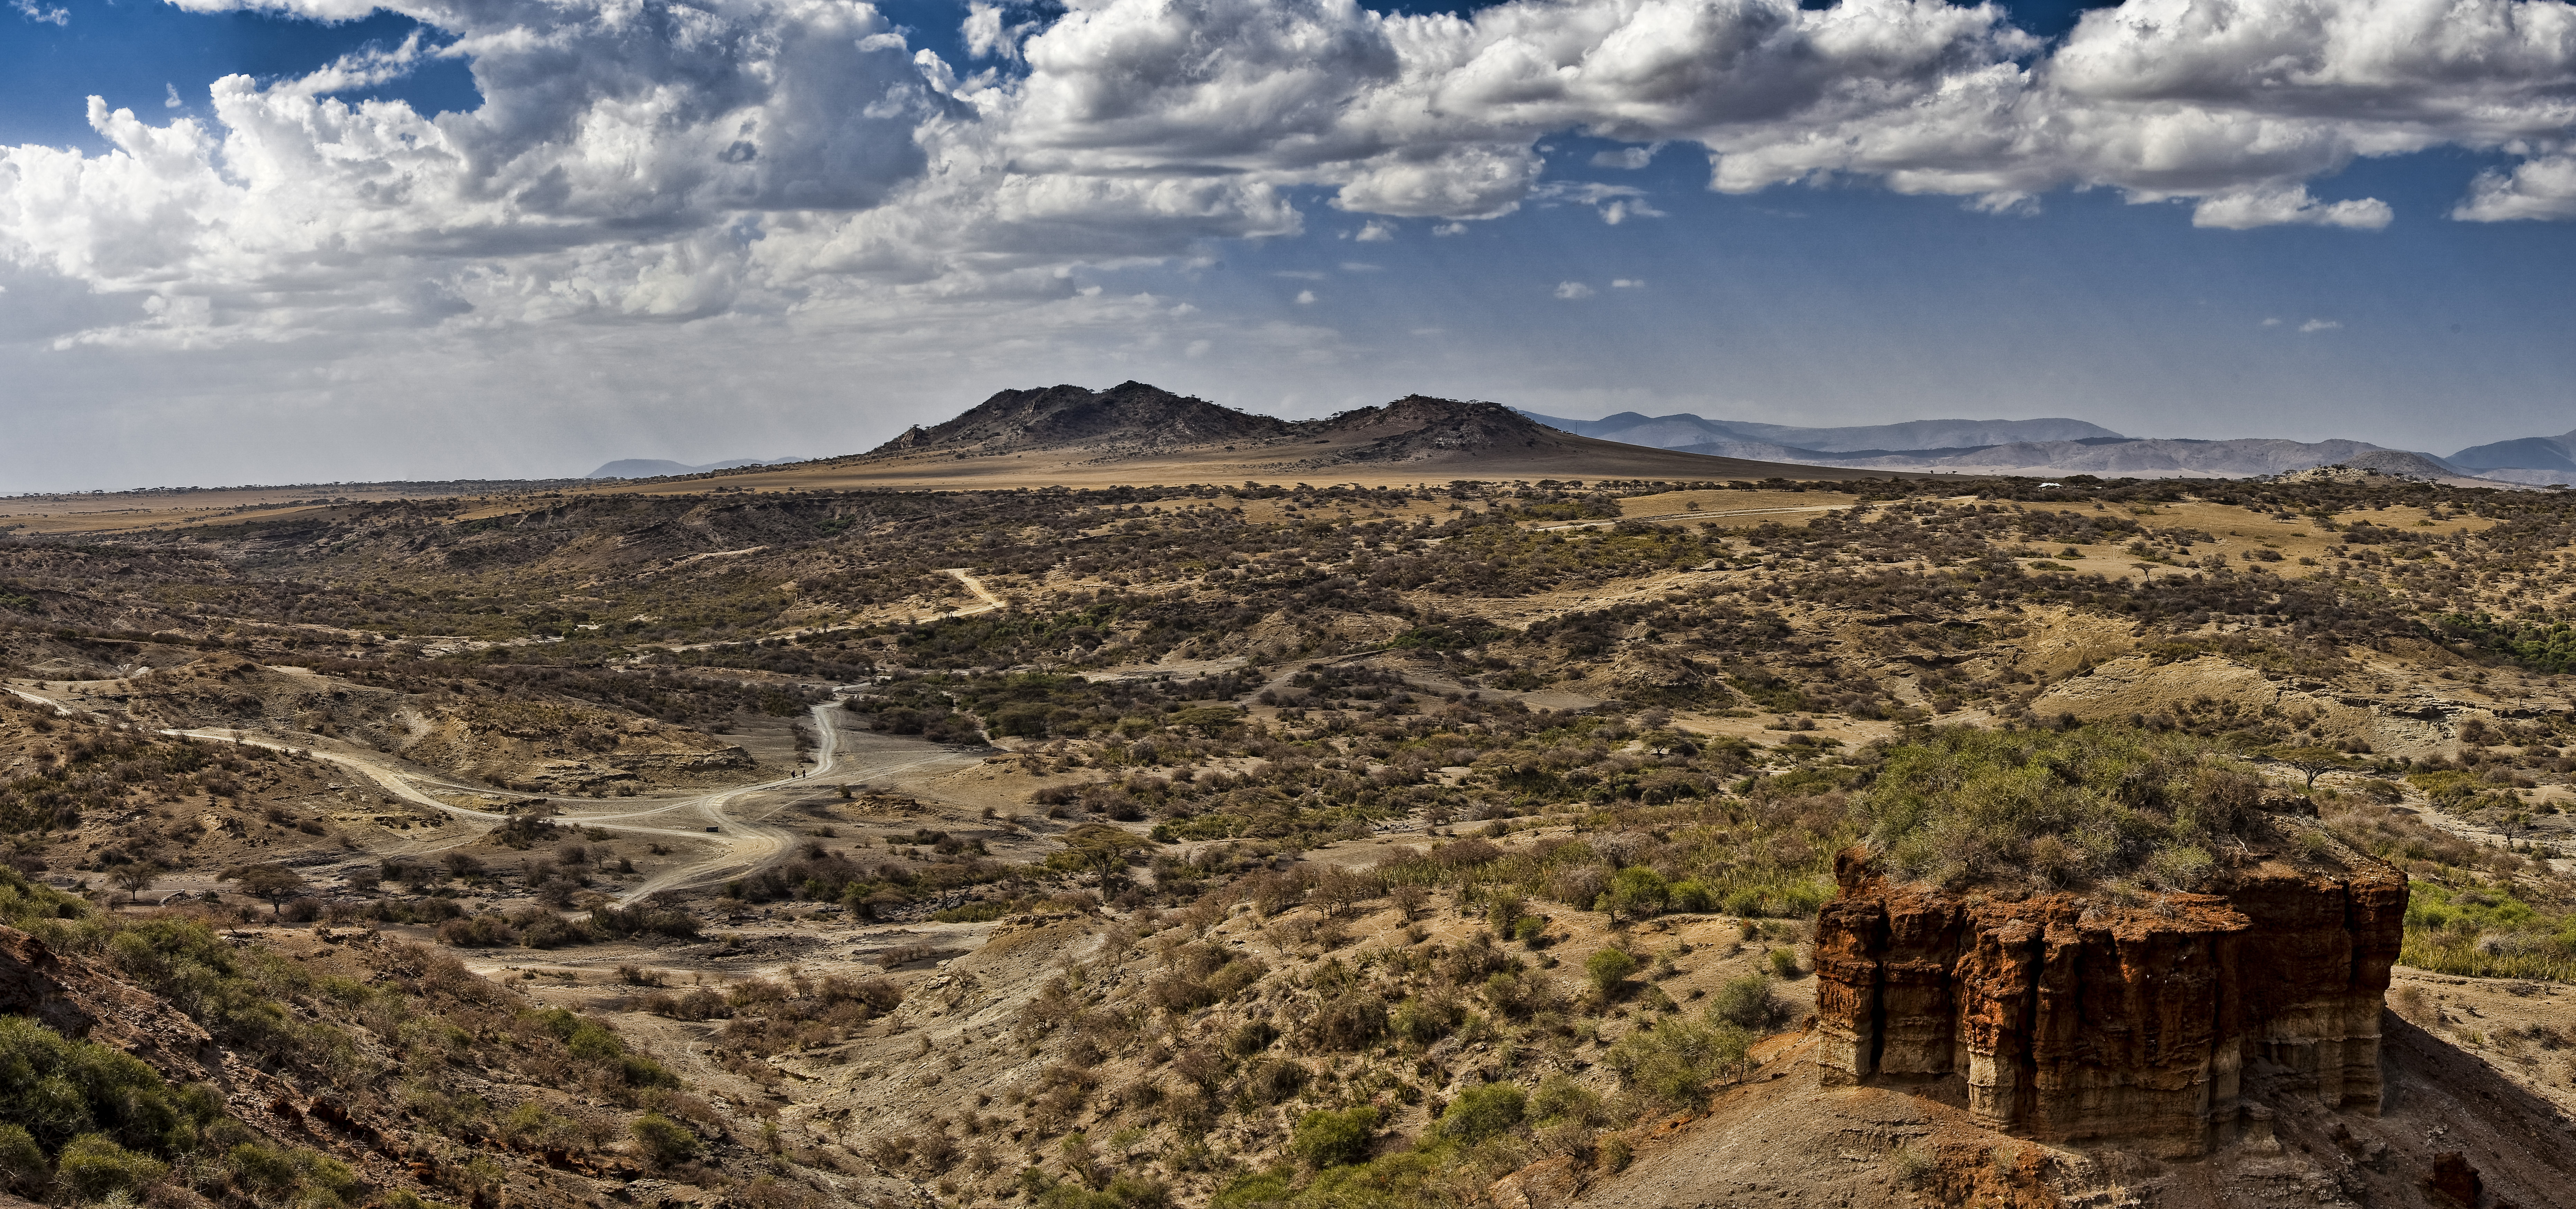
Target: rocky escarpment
(2067,1019)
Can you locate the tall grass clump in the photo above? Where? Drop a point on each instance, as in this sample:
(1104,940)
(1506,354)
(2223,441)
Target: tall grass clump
(2051,809)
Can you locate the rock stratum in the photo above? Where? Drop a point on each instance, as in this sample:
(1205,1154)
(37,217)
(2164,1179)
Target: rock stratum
(2068,1020)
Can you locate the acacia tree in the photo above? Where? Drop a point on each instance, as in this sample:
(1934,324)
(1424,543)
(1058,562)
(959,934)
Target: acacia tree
(1098,848)
(2312,761)
(134,879)
(273,882)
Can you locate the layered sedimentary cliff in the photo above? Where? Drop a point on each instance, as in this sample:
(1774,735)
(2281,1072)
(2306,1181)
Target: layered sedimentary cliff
(2068,1019)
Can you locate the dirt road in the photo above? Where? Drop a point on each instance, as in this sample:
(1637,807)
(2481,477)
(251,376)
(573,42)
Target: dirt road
(735,830)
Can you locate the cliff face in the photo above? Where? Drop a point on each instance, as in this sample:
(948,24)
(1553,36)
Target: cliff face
(2069,1020)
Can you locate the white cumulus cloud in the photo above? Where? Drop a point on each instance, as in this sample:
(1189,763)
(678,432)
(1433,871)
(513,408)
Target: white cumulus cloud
(791,161)
(1571,290)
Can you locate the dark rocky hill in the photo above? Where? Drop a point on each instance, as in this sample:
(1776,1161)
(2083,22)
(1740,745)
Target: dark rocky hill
(1130,415)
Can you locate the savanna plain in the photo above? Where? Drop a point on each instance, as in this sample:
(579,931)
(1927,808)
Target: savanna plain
(1511,842)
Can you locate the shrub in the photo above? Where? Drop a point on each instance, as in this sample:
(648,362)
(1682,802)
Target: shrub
(1562,1099)
(477,932)
(592,1042)
(1483,1111)
(1677,1060)
(22,1162)
(1784,963)
(1254,1037)
(665,1141)
(1637,892)
(1746,1002)
(1609,969)
(93,1165)
(1351,1021)
(1327,1139)
(58,1089)
(261,1168)
(1423,1022)
(1231,979)
(1691,897)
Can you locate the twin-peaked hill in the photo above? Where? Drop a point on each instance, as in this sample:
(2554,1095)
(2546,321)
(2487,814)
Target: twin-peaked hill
(1137,433)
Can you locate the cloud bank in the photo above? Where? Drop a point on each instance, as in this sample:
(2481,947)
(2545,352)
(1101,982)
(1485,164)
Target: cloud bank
(669,160)
(794,185)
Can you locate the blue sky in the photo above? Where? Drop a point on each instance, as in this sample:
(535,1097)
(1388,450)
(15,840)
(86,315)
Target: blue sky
(785,275)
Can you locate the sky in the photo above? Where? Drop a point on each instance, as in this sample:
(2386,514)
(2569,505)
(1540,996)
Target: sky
(272,241)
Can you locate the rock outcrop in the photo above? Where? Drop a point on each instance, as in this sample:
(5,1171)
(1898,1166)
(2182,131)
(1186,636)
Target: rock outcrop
(2065,1019)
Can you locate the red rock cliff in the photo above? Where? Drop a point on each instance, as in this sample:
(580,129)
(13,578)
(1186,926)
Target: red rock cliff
(2072,1020)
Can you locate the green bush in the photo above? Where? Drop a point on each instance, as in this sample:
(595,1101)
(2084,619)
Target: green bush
(1423,1022)
(1637,892)
(1254,1188)
(1691,897)
(1327,1139)
(1745,1002)
(1609,969)
(591,1041)
(2049,809)
(93,1165)
(1562,1099)
(323,1173)
(58,1089)
(665,1141)
(1482,1111)
(1676,1060)
(22,1162)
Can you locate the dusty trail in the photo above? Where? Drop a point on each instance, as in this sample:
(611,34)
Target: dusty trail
(742,844)
(976,586)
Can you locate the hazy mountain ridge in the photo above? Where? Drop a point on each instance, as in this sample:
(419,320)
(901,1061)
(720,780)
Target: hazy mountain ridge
(1138,420)
(655,468)
(2554,458)
(1684,430)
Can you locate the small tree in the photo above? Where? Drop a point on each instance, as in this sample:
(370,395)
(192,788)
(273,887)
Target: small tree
(2311,761)
(1099,848)
(273,882)
(134,879)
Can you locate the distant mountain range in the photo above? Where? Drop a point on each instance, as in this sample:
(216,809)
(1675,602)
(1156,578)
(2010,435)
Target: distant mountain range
(654,468)
(1078,427)
(1685,431)
(1075,431)
(2060,446)
(2538,460)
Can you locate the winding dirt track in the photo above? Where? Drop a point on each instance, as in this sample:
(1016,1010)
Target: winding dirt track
(741,843)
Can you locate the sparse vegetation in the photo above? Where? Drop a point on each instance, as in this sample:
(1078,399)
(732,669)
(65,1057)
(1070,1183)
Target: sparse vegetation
(1620,760)
(2057,808)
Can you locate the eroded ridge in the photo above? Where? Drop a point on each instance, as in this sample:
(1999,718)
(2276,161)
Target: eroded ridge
(2067,1018)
